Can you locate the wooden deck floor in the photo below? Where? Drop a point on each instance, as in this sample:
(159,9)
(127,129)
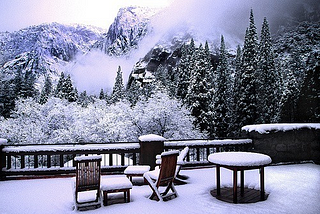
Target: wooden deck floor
(250,195)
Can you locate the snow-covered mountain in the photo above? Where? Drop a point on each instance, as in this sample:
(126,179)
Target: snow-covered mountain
(44,48)
(129,27)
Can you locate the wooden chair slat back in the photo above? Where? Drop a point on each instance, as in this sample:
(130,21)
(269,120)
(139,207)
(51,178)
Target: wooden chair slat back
(168,168)
(88,174)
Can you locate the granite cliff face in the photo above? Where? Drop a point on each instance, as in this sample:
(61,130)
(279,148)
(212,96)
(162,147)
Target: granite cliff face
(129,27)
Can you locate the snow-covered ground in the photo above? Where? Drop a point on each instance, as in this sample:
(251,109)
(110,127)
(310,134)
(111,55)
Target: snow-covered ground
(291,189)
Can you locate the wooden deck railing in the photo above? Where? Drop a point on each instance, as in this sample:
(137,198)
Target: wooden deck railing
(199,150)
(33,160)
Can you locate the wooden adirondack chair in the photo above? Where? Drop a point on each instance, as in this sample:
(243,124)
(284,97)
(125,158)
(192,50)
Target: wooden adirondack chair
(163,177)
(181,161)
(88,175)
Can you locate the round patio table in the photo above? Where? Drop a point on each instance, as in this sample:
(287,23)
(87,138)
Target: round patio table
(240,161)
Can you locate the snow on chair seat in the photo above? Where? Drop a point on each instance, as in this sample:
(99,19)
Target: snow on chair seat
(115,184)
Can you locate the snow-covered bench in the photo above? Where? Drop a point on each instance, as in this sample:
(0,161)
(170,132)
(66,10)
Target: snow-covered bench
(115,184)
(136,171)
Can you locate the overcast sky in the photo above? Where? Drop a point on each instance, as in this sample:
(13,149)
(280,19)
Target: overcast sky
(18,14)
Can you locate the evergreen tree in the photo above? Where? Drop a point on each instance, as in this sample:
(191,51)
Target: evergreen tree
(268,89)
(288,103)
(292,86)
(199,96)
(162,75)
(101,95)
(65,89)
(184,70)
(166,79)
(59,88)
(118,88)
(223,93)
(46,90)
(27,85)
(7,95)
(134,92)
(18,81)
(234,129)
(237,74)
(84,100)
(247,100)
(308,105)
(70,93)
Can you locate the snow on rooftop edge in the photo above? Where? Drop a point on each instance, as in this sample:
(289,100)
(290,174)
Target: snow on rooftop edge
(151,137)
(266,128)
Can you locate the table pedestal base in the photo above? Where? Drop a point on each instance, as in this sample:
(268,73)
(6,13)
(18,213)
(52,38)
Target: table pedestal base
(249,196)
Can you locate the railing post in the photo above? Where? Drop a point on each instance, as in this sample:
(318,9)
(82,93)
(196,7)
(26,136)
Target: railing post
(3,142)
(150,146)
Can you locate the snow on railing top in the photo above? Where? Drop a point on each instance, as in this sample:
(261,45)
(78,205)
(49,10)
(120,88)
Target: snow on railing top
(85,158)
(266,128)
(151,137)
(208,142)
(65,148)
(3,141)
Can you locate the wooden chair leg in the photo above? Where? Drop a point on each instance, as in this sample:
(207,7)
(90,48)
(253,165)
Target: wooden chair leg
(105,198)
(128,196)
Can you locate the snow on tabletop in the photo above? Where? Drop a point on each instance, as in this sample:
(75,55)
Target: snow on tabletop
(151,137)
(3,141)
(92,157)
(111,182)
(140,169)
(239,159)
(266,128)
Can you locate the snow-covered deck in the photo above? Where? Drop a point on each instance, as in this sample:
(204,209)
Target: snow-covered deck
(291,189)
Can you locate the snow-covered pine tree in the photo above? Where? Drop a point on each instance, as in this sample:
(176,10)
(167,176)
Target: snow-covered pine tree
(101,94)
(199,96)
(46,90)
(293,77)
(118,92)
(17,82)
(234,128)
(246,101)
(7,95)
(133,92)
(166,79)
(223,94)
(27,85)
(69,91)
(184,71)
(58,90)
(308,105)
(84,100)
(268,89)
(288,103)
(65,89)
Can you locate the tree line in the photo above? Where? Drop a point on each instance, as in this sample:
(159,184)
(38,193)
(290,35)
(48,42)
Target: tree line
(260,84)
